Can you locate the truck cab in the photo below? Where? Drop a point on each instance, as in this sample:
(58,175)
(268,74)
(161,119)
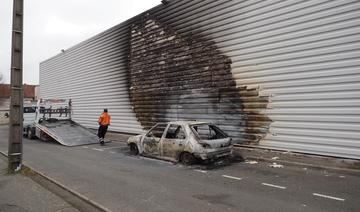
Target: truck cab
(28,117)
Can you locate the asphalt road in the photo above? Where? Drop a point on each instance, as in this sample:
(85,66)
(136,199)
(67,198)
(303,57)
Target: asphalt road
(121,182)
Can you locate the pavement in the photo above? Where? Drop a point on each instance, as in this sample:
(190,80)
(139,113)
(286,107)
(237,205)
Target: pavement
(111,177)
(20,194)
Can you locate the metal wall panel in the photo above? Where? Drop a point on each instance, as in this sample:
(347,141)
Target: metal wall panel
(93,75)
(301,57)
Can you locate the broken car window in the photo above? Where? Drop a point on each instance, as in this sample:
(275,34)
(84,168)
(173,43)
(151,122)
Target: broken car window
(208,132)
(175,132)
(157,131)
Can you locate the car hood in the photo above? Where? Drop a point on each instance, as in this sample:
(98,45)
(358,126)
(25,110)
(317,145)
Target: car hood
(218,143)
(135,139)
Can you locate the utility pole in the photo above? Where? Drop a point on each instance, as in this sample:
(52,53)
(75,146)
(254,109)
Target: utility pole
(16,105)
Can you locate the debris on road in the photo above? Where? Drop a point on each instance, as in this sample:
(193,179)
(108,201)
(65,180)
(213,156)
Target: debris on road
(275,165)
(251,162)
(326,174)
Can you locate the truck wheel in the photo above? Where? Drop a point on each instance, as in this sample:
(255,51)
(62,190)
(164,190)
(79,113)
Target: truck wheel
(134,149)
(187,158)
(30,133)
(25,131)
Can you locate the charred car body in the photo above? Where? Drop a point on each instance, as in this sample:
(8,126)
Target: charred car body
(183,141)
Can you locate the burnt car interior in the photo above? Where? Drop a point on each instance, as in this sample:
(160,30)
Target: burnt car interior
(175,132)
(157,131)
(208,132)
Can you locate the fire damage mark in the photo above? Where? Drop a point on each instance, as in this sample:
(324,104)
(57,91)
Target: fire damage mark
(186,77)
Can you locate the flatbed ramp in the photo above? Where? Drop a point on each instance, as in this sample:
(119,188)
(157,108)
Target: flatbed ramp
(68,132)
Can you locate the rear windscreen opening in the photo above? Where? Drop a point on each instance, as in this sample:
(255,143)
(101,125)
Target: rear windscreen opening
(208,132)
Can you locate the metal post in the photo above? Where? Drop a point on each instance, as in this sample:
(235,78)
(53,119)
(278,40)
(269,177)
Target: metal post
(16,105)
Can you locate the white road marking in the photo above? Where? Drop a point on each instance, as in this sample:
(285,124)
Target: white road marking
(101,150)
(231,177)
(272,185)
(112,152)
(202,171)
(329,197)
(85,147)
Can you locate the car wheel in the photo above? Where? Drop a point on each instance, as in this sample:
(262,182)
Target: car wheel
(134,149)
(187,158)
(30,133)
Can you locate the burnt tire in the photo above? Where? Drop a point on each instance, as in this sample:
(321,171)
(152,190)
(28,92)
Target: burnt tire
(30,133)
(134,149)
(187,158)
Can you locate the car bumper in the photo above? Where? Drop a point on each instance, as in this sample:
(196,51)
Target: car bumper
(210,155)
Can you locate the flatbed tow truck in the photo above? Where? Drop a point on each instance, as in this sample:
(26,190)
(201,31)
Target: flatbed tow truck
(53,122)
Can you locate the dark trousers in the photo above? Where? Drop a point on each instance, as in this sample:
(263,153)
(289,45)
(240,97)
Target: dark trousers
(102,131)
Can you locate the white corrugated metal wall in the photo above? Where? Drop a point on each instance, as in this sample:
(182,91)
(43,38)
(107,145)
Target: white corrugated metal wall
(94,75)
(303,54)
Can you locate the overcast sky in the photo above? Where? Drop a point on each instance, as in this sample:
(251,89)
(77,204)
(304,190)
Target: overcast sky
(52,25)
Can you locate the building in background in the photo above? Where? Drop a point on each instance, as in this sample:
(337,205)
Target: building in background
(273,74)
(5,92)
(36,92)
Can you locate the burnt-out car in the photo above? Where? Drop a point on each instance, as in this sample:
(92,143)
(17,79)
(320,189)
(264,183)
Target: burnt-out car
(183,141)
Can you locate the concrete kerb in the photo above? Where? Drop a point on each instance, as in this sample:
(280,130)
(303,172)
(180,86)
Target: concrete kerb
(74,198)
(298,159)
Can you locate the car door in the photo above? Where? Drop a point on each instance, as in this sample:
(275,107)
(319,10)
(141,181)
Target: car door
(151,141)
(173,143)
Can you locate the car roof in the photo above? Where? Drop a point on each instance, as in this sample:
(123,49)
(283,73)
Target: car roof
(188,122)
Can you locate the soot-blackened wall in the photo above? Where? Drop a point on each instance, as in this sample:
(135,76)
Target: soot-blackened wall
(174,77)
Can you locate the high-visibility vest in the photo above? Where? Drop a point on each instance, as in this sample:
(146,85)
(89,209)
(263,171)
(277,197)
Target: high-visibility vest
(104,119)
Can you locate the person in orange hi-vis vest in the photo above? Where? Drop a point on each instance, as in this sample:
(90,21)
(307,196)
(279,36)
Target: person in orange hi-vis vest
(104,122)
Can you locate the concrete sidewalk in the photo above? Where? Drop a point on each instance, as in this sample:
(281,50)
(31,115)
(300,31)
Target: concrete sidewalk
(19,193)
(117,137)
